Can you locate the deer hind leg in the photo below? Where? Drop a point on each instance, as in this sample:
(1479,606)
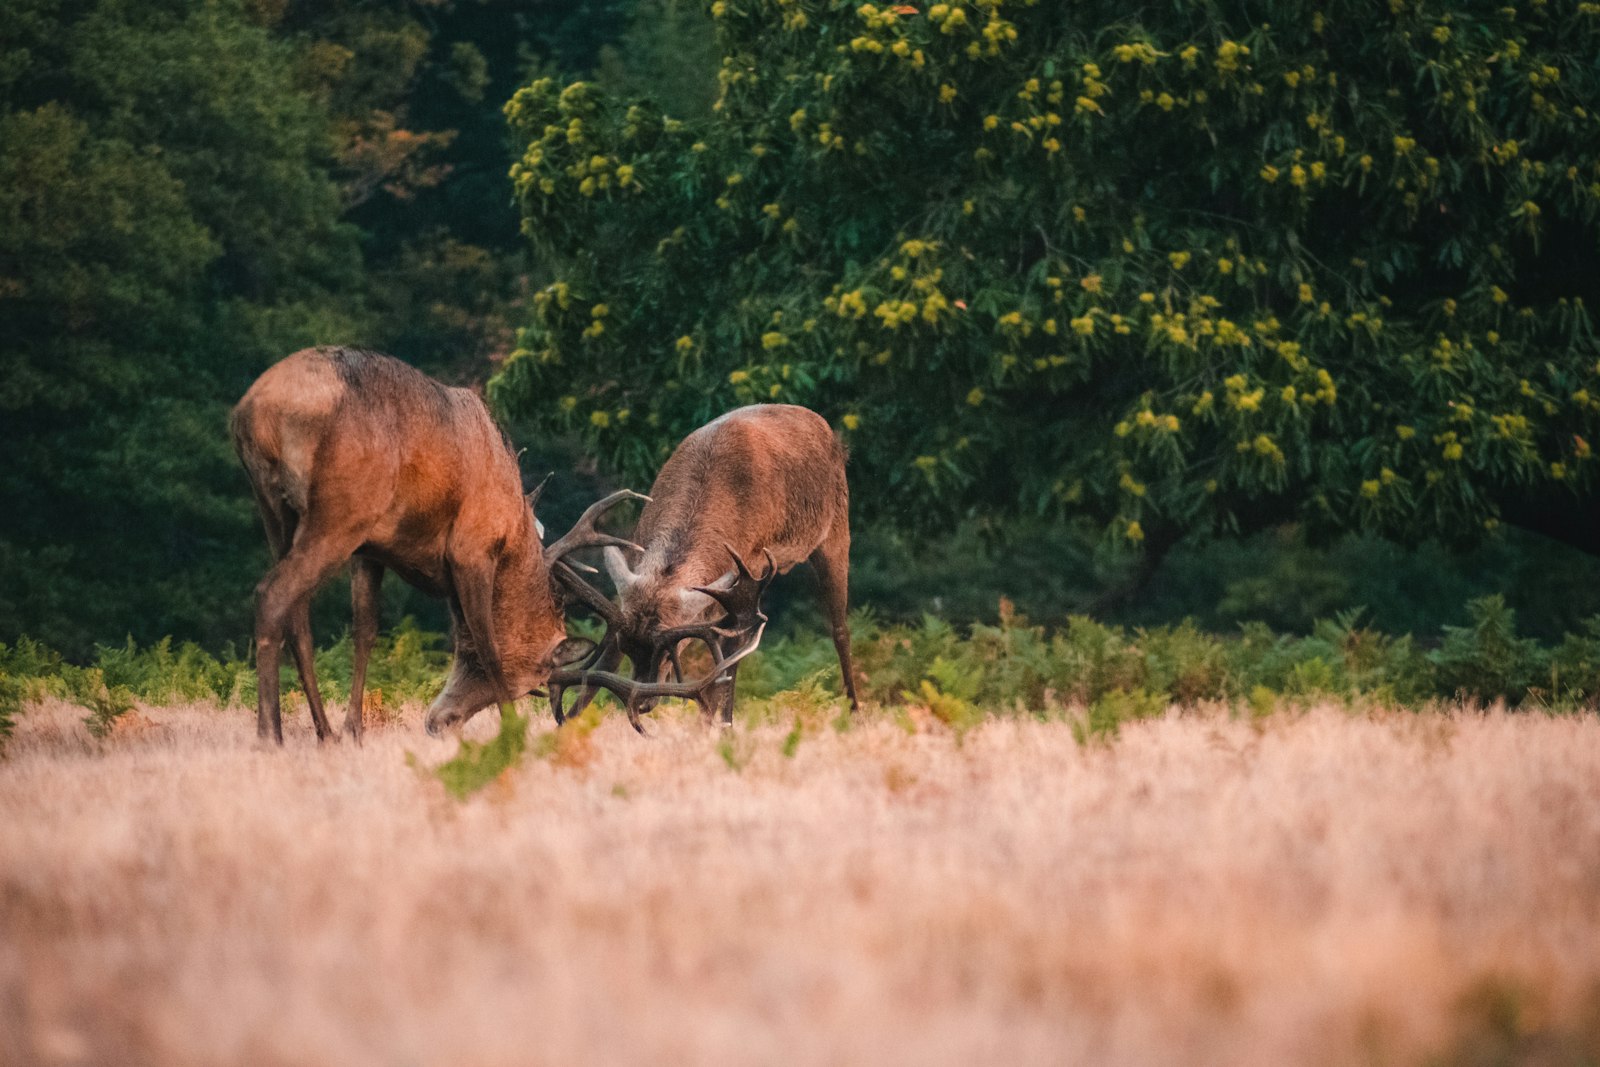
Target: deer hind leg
(283,607)
(831,562)
(281,524)
(278,521)
(305,663)
(365,578)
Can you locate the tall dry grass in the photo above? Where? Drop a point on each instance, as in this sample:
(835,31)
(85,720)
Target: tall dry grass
(1314,888)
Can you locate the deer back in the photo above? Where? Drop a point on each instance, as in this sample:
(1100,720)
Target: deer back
(421,467)
(769,477)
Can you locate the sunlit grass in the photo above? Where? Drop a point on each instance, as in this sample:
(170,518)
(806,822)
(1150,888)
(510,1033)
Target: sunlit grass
(1225,884)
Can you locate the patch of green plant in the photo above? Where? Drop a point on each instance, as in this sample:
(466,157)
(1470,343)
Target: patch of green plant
(960,675)
(477,763)
(809,697)
(792,739)
(1575,664)
(570,744)
(948,694)
(10,707)
(1503,1021)
(734,750)
(1186,664)
(1261,701)
(106,702)
(407,663)
(26,669)
(29,659)
(158,674)
(1105,716)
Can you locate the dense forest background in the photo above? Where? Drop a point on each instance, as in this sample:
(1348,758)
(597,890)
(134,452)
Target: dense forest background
(189,191)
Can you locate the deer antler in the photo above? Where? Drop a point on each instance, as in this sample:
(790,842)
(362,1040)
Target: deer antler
(591,597)
(743,604)
(742,601)
(584,533)
(631,691)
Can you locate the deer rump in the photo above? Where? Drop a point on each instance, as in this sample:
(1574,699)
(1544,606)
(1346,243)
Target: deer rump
(355,456)
(760,483)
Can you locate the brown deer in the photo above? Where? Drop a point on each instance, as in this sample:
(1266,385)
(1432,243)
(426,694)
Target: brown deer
(769,480)
(357,456)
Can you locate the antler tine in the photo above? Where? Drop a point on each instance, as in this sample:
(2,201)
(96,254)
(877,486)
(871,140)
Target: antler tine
(607,647)
(706,632)
(538,490)
(738,561)
(728,598)
(743,600)
(593,598)
(584,533)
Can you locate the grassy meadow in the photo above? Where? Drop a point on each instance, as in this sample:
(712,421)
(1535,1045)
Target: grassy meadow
(1329,883)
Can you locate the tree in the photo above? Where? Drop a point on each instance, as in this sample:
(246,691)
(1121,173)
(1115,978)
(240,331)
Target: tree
(1198,267)
(191,191)
(167,227)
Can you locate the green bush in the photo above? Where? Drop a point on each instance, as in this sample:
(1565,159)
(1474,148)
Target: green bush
(1107,675)
(1106,715)
(408,663)
(1487,660)
(105,701)
(1575,664)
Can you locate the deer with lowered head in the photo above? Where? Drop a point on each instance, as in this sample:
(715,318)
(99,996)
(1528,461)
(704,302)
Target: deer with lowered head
(761,481)
(355,456)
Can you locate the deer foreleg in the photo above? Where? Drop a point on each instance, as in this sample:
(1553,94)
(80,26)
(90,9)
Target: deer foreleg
(474,591)
(831,562)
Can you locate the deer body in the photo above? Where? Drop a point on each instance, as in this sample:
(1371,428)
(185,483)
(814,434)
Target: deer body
(357,456)
(769,478)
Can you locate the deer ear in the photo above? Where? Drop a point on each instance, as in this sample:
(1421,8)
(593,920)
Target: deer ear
(695,600)
(617,565)
(569,651)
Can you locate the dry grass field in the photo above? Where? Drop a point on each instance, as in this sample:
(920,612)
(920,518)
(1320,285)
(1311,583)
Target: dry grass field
(1312,888)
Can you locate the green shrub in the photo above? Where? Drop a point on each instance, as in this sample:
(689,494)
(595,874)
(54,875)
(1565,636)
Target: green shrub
(158,675)
(1185,663)
(949,692)
(1105,716)
(10,706)
(1089,660)
(408,663)
(1575,665)
(1487,660)
(105,701)
(1013,667)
